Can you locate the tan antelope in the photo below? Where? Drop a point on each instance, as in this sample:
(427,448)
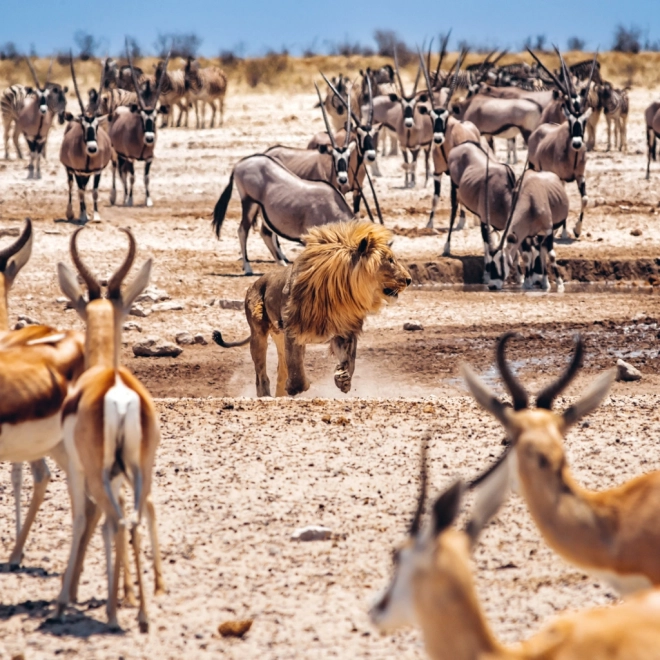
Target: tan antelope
(432,587)
(133,135)
(335,101)
(111,431)
(562,149)
(208,85)
(86,150)
(173,94)
(613,534)
(652,117)
(37,364)
(615,106)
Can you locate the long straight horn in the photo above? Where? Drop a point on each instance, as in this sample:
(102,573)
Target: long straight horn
(554,78)
(568,82)
(101,83)
(517,391)
(398,73)
(8,252)
(325,118)
(419,71)
(426,77)
(341,98)
(545,398)
(75,84)
(454,81)
(50,69)
(115,282)
(514,202)
(443,51)
(134,77)
(373,193)
(370,120)
(93,287)
(499,57)
(417,517)
(34,73)
(159,84)
(591,77)
(347,137)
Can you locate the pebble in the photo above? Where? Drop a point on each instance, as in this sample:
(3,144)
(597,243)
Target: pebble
(155,347)
(169,306)
(413,326)
(153,294)
(132,325)
(24,321)
(626,372)
(235,628)
(311,533)
(636,232)
(140,311)
(184,339)
(231,304)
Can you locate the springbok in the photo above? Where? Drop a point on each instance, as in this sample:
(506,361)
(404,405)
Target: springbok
(290,206)
(38,363)
(204,86)
(562,148)
(652,117)
(613,534)
(110,430)
(86,150)
(133,136)
(432,587)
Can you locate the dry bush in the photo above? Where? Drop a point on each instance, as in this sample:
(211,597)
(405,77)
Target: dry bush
(387,41)
(627,39)
(266,69)
(576,43)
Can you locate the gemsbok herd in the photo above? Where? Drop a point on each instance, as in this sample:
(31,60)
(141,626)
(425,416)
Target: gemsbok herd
(66,395)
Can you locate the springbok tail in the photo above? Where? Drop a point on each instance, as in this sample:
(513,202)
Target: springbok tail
(220,209)
(217,338)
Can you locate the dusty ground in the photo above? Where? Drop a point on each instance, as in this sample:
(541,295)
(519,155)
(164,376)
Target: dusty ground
(235,476)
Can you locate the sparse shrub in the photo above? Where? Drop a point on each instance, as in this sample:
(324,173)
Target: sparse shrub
(179,44)
(87,45)
(63,58)
(471,47)
(627,39)
(267,68)
(575,43)
(387,41)
(8,51)
(229,59)
(346,49)
(537,43)
(134,48)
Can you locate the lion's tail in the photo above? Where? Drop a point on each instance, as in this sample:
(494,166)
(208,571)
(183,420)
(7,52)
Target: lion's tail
(220,209)
(217,338)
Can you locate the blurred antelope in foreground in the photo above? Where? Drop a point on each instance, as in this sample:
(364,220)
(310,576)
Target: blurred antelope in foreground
(432,587)
(110,432)
(652,116)
(613,534)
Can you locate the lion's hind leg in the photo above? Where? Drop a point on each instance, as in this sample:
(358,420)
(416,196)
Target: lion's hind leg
(344,349)
(259,331)
(282,371)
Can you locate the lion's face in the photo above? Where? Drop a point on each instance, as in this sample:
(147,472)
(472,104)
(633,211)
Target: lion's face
(392,276)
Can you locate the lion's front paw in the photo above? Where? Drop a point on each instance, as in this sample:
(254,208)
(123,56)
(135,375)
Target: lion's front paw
(343,380)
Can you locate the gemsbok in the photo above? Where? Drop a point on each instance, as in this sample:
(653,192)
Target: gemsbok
(86,150)
(432,587)
(290,206)
(613,534)
(652,117)
(111,432)
(133,135)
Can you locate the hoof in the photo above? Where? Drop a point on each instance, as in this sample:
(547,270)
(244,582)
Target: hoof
(128,201)
(143,625)
(447,250)
(560,286)
(149,202)
(113,197)
(83,218)
(578,230)
(69,213)
(429,224)
(97,217)
(343,381)
(461,223)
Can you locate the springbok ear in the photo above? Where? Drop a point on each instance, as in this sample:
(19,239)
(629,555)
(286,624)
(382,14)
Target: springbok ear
(394,98)
(137,286)
(446,507)
(18,261)
(590,400)
(71,289)
(485,397)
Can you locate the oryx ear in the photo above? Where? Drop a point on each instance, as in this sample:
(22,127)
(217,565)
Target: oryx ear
(134,107)
(29,90)
(512,238)
(71,289)
(590,400)
(423,110)
(68,116)
(65,89)
(393,98)
(555,94)
(566,112)
(485,397)
(323,148)
(456,109)
(446,507)
(137,286)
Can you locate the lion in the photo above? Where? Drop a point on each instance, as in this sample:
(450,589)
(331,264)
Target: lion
(346,271)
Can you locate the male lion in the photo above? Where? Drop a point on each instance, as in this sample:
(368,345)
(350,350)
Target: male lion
(345,272)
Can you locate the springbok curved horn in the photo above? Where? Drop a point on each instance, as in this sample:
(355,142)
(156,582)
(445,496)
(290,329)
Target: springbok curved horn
(134,77)
(545,398)
(93,287)
(75,84)
(517,391)
(115,282)
(325,118)
(417,517)
(554,78)
(340,97)
(159,84)
(34,74)
(8,252)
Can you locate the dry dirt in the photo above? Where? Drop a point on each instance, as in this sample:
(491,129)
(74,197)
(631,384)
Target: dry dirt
(235,476)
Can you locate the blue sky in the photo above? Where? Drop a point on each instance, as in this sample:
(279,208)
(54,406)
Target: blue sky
(258,25)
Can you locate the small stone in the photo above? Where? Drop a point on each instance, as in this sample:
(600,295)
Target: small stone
(199,339)
(155,347)
(61,299)
(636,232)
(153,294)
(626,372)
(169,306)
(311,533)
(231,304)
(140,311)
(413,326)
(131,326)
(235,628)
(184,339)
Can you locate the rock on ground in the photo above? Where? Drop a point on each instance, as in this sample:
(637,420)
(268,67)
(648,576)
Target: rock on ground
(155,347)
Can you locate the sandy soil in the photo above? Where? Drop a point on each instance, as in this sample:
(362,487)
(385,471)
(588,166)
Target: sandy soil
(235,476)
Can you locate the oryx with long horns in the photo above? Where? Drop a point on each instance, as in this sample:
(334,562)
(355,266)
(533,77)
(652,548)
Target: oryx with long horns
(133,135)
(86,150)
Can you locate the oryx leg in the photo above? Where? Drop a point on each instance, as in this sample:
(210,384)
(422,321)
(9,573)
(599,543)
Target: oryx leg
(436,197)
(122,166)
(82,180)
(461,218)
(39,150)
(454,204)
(221,103)
(527,256)
(344,349)
(15,137)
(95,197)
(511,152)
(6,124)
(213,110)
(130,171)
(582,187)
(32,147)
(413,168)
(406,167)
(650,154)
(248,216)
(113,190)
(375,168)
(550,258)
(282,373)
(485,237)
(269,239)
(69,206)
(427,169)
(357,198)
(294,352)
(624,134)
(608,119)
(147,167)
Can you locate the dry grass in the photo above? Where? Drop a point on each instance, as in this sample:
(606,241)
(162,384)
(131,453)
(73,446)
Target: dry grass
(277,71)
